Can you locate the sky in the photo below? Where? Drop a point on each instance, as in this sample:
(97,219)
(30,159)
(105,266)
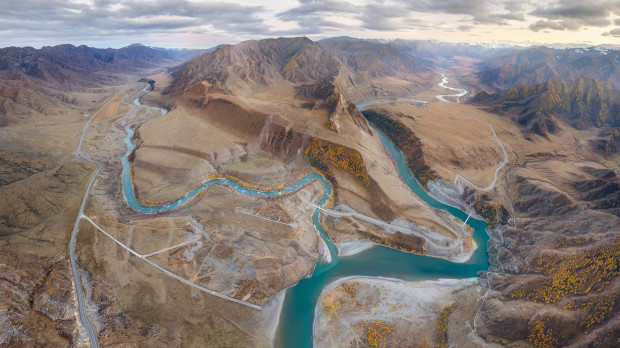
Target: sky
(203,24)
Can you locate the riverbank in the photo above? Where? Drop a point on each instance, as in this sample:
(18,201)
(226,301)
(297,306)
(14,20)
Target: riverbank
(375,310)
(353,247)
(457,248)
(300,300)
(272,309)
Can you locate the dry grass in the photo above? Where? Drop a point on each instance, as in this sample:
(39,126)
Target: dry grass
(111,110)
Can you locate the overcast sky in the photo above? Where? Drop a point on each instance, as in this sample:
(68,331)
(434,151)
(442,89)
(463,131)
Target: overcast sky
(201,24)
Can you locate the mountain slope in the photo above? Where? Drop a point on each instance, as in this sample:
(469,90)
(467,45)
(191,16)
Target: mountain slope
(376,58)
(581,104)
(243,67)
(67,66)
(514,68)
(34,81)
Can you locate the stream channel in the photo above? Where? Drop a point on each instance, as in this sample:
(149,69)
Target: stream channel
(298,311)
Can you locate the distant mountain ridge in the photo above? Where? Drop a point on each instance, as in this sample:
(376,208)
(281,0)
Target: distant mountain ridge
(241,68)
(581,104)
(34,81)
(248,64)
(436,49)
(68,66)
(530,66)
(379,59)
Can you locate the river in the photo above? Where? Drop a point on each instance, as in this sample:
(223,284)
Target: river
(298,310)
(138,103)
(460,91)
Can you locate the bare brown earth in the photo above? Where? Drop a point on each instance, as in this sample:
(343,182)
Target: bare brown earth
(245,255)
(35,218)
(553,275)
(454,141)
(376,312)
(39,141)
(231,134)
(42,185)
(564,201)
(111,109)
(272,246)
(250,250)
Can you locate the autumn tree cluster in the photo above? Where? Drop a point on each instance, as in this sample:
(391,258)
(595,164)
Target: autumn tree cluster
(572,274)
(323,153)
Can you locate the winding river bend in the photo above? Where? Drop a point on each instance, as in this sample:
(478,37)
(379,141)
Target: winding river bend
(297,316)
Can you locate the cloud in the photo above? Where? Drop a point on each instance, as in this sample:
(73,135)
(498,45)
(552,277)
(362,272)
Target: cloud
(63,20)
(470,7)
(513,6)
(312,16)
(567,24)
(575,14)
(498,19)
(397,15)
(318,7)
(44,22)
(613,32)
(481,11)
(385,17)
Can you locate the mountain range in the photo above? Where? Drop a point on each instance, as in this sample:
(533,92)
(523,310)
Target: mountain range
(531,66)
(34,80)
(581,104)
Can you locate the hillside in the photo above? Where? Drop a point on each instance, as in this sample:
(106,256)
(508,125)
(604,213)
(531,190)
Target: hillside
(241,68)
(260,116)
(376,58)
(360,68)
(36,81)
(581,104)
(431,49)
(67,66)
(520,67)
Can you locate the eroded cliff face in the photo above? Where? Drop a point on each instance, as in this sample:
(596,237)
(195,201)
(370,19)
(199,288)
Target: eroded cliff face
(331,159)
(279,139)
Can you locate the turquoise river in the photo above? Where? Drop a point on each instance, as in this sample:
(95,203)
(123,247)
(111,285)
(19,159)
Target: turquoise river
(297,316)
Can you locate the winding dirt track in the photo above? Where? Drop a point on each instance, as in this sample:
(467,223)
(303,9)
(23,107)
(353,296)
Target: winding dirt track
(458,178)
(76,227)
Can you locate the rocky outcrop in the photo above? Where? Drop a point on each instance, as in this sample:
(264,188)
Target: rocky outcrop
(608,142)
(279,139)
(602,193)
(487,207)
(326,95)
